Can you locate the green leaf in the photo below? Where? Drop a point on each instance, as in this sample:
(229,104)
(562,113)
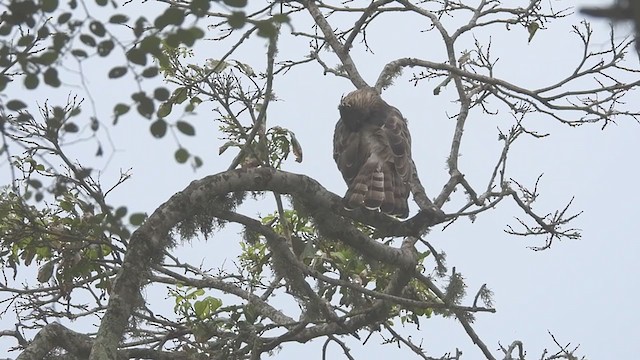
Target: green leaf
(5,29)
(79,53)
(532,28)
(197,162)
(199,8)
(64,17)
(179,95)
(250,314)
(182,155)
(88,40)
(49,6)
(47,58)
(95,124)
(281,18)
(23,117)
(140,26)
(65,205)
(59,41)
(118,19)
(116,72)
(4,80)
(15,105)
(266,29)
(150,72)
(121,212)
(105,47)
(26,40)
(171,16)
(185,37)
(192,104)
(102,2)
(202,309)
(31,81)
(237,19)
(43,32)
(137,56)
(236,3)
(196,32)
(70,127)
(174,40)
(185,128)
(97,28)
(161,94)
(136,219)
(35,183)
(51,77)
(165,109)
(145,106)
(58,114)
(121,109)
(158,128)
(150,44)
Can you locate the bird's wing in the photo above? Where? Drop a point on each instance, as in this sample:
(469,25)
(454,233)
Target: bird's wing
(348,152)
(396,132)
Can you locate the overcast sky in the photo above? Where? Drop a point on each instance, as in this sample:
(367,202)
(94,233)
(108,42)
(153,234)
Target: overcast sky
(583,291)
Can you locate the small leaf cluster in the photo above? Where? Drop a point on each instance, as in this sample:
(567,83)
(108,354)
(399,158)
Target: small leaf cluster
(69,246)
(191,305)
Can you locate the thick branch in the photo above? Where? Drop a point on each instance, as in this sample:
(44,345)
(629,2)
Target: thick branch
(148,242)
(55,336)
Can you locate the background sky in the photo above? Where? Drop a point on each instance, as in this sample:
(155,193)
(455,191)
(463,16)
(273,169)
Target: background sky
(583,291)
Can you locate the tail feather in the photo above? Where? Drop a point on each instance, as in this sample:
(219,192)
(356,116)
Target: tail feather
(401,194)
(359,187)
(375,188)
(388,204)
(354,197)
(375,191)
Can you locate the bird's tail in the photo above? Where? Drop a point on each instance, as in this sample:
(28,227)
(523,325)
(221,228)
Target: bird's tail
(396,193)
(366,189)
(378,189)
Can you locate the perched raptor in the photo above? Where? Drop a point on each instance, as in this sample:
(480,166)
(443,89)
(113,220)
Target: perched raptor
(372,148)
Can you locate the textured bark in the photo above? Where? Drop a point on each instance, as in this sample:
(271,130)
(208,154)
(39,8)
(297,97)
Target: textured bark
(78,346)
(150,240)
(54,336)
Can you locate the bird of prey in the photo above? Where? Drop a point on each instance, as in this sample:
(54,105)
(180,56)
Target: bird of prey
(372,148)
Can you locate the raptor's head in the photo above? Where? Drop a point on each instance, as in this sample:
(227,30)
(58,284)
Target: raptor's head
(356,108)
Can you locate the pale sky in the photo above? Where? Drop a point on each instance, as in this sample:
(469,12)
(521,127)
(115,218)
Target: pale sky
(582,291)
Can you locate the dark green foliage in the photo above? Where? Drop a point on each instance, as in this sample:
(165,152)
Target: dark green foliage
(118,19)
(185,128)
(158,128)
(104,47)
(155,47)
(171,16)
(182,155)
(199,7)
(117,72)
(237,19)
